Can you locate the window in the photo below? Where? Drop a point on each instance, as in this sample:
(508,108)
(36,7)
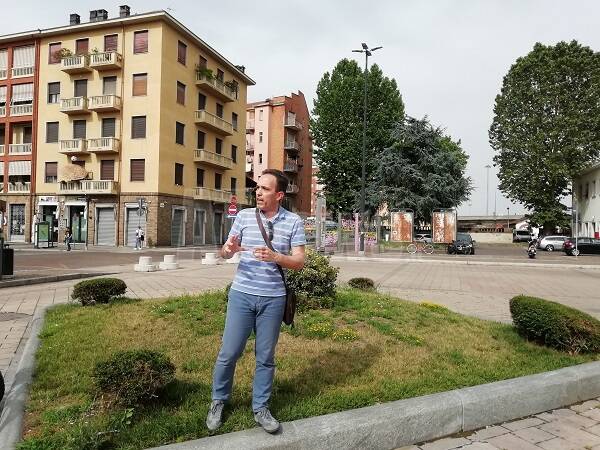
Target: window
(201,101)
(137,169)
(51,132)
(260,136)
(111,43)
(260,114)
(234,153)
(53,53)
(80,88)
(140,42)
(179,132)
(180,93)
(109,86)
(220,75)
(82,46)
(260,158)
(107,169)
(201,139)
(140,84)
(218,180)
(234,121)
(51,172)
(109,127)
(199,177)
(202,62)
(138,127)
(79,129)
(179,174)
(218,146)
(219,110)
(53,92)
(181,52)
(233,185)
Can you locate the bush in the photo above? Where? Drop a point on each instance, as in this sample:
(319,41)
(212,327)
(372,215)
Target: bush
(134,376)
(364,284)
(314,283)
(100,290)
(555,325)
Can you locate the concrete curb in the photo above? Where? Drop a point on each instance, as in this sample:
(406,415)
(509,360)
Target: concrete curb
(464,262)
(50,279)
(406,422)
(13,411)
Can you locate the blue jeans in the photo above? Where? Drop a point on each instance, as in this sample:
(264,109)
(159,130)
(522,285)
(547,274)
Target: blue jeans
(247,312)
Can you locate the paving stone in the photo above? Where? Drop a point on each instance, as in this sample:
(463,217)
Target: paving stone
(480,446)
(489,432)
(593,414)
(559,444)
(446,444)
(512,442)
(585,406)
(571,433)
(555,415)
(579,421)
(408,447)
(595,430)
(534,435)
(523,423)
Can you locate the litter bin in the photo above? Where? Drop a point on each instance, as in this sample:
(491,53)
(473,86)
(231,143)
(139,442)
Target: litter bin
(8,260)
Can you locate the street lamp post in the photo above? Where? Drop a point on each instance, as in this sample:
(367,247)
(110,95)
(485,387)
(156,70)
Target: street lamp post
(368,52)
(487,190)
(508,217)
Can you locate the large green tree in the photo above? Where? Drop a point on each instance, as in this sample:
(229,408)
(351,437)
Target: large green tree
(423,169)
(337,127)
(546,126)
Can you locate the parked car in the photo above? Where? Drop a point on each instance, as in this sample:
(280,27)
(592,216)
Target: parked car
(585,246)
(426,238)
(463,244)
(551,243)
(521,236)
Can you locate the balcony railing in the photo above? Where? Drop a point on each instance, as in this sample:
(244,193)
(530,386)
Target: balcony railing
(290,166)
(75,105)
(88,187)
(21,186)
(19,72)
(106,61)
(213,122)
(3,74)
(291,145)
(214,195)
(250,125)
(19,149)
(101,103)
(2,111)
(103,145)
(216,87)
(73,146)
(292,189)
(212,158)
(21,110)
(75,64)
(291,122)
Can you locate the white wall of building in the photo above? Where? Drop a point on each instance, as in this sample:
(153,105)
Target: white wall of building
(586,198)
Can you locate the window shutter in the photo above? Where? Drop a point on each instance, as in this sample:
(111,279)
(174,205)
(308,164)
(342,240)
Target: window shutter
(140,42)
(3,94)
(201,139)
(80,88)
(203,62)
(201,101)
(180,93)
(109,85)
(179,174)
(53,58)
(51,169)
(24,56)
(108,127)
(138,169)
(234,153)
(82,46)
(107,169)
(181,52)
(233,185)
(110,43)
(79,129)
(51,132)
(199,177)
(217,181)
(54,88)
(138,127)
(179,132)
(219,110)
(4,59)
(140,82)
(218,146)
(22,92)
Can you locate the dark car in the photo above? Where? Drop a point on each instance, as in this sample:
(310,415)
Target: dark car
(463,243)
(585,246)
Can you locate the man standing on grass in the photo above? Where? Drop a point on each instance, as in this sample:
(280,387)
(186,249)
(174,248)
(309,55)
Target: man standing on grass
(257,295)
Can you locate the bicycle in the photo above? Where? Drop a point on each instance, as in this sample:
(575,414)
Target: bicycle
(415,247)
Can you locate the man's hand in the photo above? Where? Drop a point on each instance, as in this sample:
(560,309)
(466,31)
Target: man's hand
(266,254)
(231,247)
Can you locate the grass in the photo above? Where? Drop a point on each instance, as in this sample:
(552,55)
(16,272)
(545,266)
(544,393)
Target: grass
(369,348)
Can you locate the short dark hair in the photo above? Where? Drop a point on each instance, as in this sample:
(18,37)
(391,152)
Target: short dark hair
(282,180)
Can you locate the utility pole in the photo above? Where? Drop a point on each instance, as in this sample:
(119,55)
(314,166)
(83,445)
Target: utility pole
(487,191)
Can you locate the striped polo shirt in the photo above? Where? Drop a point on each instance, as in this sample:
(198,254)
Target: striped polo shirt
(260,277)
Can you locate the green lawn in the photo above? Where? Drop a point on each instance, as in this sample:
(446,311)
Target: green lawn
(370,348)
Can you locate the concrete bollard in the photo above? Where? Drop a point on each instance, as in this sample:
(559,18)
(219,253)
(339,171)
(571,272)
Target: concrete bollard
(235,259)
(145,265)
(210,259)
(169,263)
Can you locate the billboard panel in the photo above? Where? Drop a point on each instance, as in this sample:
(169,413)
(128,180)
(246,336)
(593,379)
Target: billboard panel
(443,222)
(402,225)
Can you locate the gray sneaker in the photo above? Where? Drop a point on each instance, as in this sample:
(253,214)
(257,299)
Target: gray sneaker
(213,419)
(264,418)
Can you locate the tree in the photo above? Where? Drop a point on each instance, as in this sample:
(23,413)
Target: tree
(422,170)
(337,127)
(546,127)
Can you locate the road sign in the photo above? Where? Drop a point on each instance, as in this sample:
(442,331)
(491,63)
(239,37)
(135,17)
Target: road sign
(233,200)
(232,210)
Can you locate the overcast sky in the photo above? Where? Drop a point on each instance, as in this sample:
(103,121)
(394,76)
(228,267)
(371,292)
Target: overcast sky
(448,56)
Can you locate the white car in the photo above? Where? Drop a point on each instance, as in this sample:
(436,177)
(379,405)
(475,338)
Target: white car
(424,238)
(551,243)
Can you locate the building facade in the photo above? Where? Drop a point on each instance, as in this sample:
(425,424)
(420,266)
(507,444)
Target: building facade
(277,137)
(140,123)
(586,200)
(316,189)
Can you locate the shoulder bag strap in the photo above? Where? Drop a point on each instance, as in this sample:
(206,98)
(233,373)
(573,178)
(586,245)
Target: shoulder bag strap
(267,241)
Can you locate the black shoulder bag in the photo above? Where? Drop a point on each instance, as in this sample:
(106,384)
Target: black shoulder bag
(290,296)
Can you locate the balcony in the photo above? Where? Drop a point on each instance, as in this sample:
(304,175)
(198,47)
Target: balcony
(20,72)
(292,189)
(3,74)
(290,166)
(216,87)
(292,145)
(213,195)
(107,187)
(103,145)
(213,122)
(250,125)
(75,64)
(21,110)
(2,111)
(73,147)
(21,186)
(19,149)
(106,61)
(75,105)
(213,159)
(104,103)
(249,162)
(292,123)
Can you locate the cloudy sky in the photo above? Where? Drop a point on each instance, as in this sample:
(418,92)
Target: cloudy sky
(448,56)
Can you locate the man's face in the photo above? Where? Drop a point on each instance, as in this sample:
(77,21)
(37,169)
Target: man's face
(267,196)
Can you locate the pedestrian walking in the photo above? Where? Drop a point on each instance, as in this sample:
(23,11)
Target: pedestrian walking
(68,239)
(138,238)
(257,296)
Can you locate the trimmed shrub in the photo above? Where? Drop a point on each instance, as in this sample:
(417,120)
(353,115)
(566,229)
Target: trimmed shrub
(134,376)
(555,325)
(100,290)
(364,284)
(314,284)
